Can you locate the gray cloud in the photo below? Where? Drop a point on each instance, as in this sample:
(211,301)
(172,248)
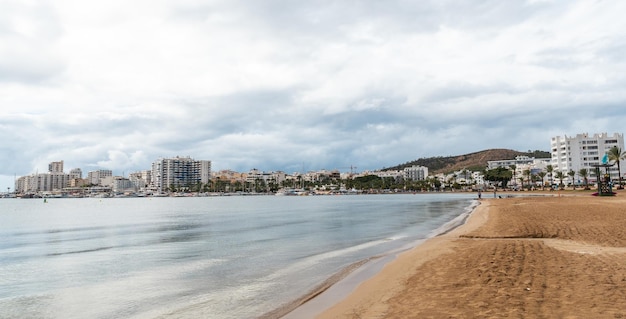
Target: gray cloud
(284,85)
(28,33)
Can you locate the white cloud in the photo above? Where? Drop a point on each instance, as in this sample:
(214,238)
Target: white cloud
(120,160)
(280,84)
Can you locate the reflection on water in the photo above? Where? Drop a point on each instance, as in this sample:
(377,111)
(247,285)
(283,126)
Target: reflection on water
(222,257)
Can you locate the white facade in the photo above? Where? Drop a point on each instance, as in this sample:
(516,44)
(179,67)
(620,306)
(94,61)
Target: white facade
(76,173)
(55,167)
(415,173)
(179,172)
(396,175)
(522,164)
(205,171)
(255,176)
(118,183)
(583,151)
(95,177)
(141,179)
(54,180)
(478,178)
(524,161)
(45,182)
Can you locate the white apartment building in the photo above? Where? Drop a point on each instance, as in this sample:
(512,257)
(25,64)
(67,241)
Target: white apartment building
(415,173)
(53,180)
(522,164)
(118,184)
(396,175)
(141,179)
(76,173)
(255,176)
(519,161)
(583,151)
(44,182)
(55,167)
(478,178)
(179,172)
(95,177)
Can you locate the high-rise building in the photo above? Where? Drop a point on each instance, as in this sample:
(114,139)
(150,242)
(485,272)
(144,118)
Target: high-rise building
(55,167)
(179,172)
(583,151)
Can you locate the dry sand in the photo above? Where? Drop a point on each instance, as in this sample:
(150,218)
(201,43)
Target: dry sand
(528,257)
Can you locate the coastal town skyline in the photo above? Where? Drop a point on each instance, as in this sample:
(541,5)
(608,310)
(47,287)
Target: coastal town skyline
(574,158)
(614,139)
(278,85)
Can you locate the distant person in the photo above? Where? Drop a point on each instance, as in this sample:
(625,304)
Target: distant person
(494,192)
(479,194)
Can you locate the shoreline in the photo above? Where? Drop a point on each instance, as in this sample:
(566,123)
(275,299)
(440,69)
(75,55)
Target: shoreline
(287,310)
(385,282)
(539,256)
(342,284)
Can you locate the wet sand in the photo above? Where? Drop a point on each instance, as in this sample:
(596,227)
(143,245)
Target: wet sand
(523,257)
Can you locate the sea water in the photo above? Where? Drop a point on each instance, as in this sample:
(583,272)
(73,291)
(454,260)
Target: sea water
(204,257)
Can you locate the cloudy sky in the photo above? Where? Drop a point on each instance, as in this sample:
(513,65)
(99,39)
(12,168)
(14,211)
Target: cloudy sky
(293,85)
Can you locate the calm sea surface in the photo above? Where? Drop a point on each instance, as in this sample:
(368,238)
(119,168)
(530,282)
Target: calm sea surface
(205,257)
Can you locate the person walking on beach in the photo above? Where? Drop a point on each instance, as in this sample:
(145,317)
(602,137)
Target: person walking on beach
(479,194)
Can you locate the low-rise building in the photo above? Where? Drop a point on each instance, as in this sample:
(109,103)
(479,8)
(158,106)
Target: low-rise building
(518,161)
(256,176)
(141,180)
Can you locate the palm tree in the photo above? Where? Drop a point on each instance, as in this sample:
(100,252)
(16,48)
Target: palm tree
(616,155)
(584,174)
(572,174)
(513,167)
(542,175)
(560,175)
(550,169)
(527,173)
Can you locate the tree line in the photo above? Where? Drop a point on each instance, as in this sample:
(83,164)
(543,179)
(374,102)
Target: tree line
(499,176)
(503,176)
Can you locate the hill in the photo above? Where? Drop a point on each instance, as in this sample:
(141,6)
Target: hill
(473,161)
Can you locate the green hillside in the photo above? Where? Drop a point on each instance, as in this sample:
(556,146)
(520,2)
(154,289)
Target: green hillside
(473,161)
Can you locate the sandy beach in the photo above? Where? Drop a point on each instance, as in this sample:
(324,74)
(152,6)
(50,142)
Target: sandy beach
(522,257)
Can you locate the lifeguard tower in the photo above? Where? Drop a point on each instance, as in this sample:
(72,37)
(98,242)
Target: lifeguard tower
(605,186)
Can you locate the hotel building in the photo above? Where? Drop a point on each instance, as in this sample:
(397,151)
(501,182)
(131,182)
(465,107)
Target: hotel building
(416,173)
(179,172)
(583,151)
